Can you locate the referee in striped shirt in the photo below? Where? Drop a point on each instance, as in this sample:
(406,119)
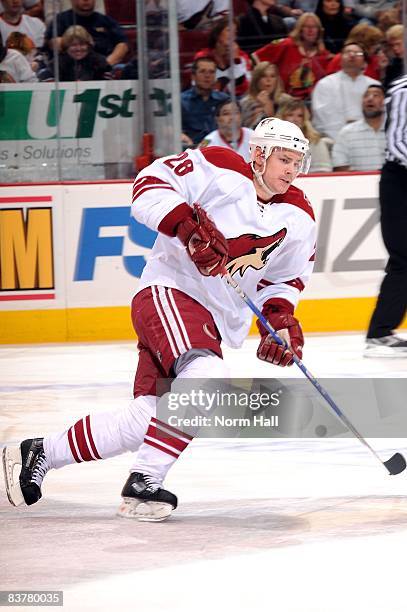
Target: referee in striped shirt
(392,301)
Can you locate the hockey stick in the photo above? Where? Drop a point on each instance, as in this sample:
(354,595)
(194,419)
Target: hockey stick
(396,463)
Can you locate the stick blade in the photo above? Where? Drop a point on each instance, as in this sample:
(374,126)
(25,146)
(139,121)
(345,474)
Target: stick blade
(396,464)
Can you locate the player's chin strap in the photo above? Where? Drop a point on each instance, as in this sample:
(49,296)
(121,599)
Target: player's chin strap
(396,463)
(259,178)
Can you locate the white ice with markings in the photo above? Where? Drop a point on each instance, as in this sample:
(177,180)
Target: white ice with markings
(282,525)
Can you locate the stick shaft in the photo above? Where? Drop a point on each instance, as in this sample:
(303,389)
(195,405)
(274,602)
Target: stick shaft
(231,281)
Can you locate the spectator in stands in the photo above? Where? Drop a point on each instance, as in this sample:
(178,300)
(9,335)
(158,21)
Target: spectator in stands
(109,37)
(230,133)
(335,22)
(198,104)
(23,43)
(265,92)
(301,58)
(371,39)
(56,6)
(33,8)
(389,18)
(20,42)
(200,14)
(337,98)
(395,44)
(260,26)
(78,61)
(219,42)
(15,65)
(14,19)
(296,111)
(360,145)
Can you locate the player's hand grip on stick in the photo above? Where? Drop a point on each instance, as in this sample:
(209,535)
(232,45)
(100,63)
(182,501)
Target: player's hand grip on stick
(396,463)
(206,245)
(279,313)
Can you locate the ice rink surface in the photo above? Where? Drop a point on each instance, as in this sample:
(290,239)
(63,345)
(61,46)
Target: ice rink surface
(281,525)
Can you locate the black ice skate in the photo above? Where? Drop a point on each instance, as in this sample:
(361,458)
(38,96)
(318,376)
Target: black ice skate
(31,457)
(145,500)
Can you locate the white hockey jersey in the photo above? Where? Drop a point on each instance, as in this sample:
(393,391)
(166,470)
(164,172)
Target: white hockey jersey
(271,245)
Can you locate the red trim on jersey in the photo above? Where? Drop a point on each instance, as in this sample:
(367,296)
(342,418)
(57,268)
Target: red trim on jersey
(312,258)
(91,441)
(295,282)
(263,283)
(168,225)
(148,188)
(81,441)
(161,448)
(162,436)
(296,197)
(144,182)
(227,158)
(171,428)
(72,446)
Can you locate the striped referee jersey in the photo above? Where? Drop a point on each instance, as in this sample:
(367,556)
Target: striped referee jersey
(396,123)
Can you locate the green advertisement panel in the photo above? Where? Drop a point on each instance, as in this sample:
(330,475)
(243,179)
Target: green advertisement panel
(76,129)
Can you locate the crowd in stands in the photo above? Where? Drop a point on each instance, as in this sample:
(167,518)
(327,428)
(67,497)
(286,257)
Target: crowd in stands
(337,98)
(323,64)
(301,58)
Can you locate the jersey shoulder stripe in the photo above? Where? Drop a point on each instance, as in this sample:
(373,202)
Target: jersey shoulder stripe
(228,159)
(296,197)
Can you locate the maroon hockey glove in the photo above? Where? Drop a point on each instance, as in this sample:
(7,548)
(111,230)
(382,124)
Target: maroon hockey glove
(205,244)
(279,313)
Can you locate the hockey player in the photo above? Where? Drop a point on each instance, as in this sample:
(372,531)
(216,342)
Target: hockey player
(251,222)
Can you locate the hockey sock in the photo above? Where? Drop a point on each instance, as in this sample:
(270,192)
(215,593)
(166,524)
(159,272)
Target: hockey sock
(163,444)
(101,435)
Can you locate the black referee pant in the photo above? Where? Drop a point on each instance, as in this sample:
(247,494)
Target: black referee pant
(392,300)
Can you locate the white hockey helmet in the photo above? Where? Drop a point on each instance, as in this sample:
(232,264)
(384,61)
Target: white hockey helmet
(272,132)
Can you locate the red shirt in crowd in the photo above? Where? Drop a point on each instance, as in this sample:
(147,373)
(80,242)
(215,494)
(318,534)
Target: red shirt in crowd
(298,71)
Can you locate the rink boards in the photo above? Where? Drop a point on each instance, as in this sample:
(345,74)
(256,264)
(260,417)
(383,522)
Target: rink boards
(71,257)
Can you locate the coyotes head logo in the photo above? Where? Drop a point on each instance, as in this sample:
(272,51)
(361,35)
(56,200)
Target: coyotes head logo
(252,251)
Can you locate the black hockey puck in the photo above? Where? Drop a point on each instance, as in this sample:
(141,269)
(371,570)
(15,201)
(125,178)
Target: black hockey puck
(320,431)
